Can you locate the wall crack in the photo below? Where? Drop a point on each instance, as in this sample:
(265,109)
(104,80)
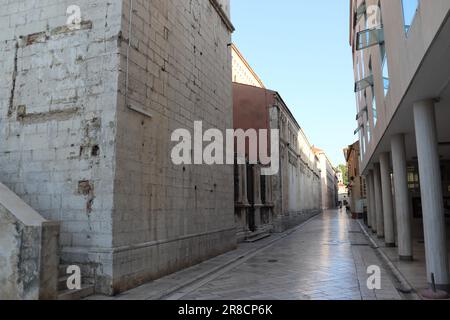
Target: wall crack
(14,77)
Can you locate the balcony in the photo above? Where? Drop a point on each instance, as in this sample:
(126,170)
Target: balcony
(369,37)
(364,83)
(361,113)
(359,129)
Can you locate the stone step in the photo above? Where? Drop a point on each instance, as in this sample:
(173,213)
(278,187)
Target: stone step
(62,283)
(62,270)
(85,291)
(257,237)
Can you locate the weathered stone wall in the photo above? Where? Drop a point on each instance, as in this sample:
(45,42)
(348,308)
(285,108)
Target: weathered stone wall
(329,182)
(28,251)
(58,93)
(296,189)
(72,148)
(168,217)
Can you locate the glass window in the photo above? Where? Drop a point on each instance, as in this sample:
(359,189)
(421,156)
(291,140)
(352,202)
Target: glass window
(410,8)
(363,67)
(374,107)
(367,122)
(358,75)
(385,69)
(361,139)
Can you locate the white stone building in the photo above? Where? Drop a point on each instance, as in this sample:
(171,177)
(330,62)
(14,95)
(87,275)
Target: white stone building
(401,60)
(86,116)
(329,180)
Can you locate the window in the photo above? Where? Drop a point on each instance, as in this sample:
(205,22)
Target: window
(361,146)
(385,69)
(413,179)
(363,142)
(374,107)
(363,66)
(367,119)
(410,8)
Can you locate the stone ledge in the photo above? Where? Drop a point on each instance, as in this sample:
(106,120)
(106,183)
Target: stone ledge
(226,20)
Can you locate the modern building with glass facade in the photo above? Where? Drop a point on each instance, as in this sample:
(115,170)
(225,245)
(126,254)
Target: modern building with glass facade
(401,54)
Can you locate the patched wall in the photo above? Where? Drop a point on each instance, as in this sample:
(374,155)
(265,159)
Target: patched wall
(72,148)
(58,93)
(168,217)
(28,251)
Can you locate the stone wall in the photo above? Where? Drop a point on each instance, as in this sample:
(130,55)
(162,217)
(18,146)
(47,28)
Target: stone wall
(169,217)
(58,94)
(28,251)
(73,149)
(297,187)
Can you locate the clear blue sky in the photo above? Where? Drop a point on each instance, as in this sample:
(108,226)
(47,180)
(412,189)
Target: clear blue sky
(300,48)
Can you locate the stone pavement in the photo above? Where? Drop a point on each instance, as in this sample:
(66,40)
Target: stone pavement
(413,272)
(324,259)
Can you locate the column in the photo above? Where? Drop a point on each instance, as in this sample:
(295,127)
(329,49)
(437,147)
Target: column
(257,195)
(269,200)
(378,200)
(373,201)
(242,173)
(431,191)
(369,202)
(402,203)
(386,192)
(242,202)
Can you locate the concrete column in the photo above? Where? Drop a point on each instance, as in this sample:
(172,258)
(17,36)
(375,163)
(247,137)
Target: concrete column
(431,191)
(373,207)
(243,197)
(257,195)
(242,173)
(402,203)
(369,202)
(386,192)
(378,200)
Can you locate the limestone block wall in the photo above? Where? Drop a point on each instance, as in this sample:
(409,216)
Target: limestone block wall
(28,251)
(58,93)
(168,217)
(86,117)
(296,189)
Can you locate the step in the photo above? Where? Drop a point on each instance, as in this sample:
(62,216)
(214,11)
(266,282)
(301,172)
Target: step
(62,269)
(62,283)
(84,292)
(257,237)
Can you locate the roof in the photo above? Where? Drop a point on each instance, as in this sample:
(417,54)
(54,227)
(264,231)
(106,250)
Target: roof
(348,151)
(249,68)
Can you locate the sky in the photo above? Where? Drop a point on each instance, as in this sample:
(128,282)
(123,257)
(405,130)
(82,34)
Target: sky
(300,48)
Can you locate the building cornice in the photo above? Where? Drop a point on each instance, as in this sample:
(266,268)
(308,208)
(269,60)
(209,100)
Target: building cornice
(223,15)
(247,65)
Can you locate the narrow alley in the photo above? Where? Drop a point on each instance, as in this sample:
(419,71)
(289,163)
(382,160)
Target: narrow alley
(326,258)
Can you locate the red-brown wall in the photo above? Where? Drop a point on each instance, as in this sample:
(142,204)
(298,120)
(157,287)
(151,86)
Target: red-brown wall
(251,107)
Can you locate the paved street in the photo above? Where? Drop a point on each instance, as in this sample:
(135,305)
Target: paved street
(324,259)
